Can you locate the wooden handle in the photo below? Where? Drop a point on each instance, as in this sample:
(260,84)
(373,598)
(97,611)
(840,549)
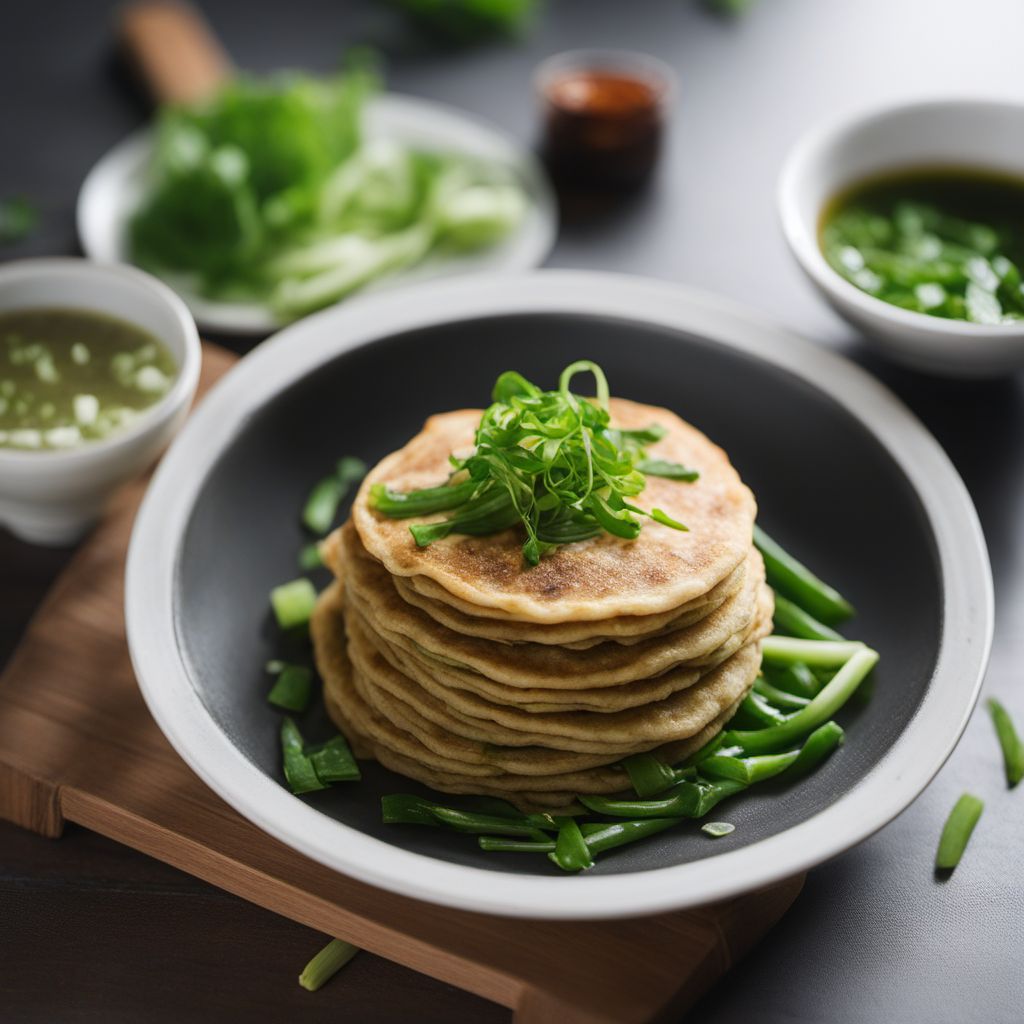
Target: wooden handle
(174,49)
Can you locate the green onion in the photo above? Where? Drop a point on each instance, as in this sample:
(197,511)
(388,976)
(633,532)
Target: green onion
(717,829)
(833,696)
(957,831)
(402,809)
(495,820)
(496,844)
(333,761)
(298,768)
(685,800)
(757,712)
(547,461)
(322,505)
(571,852)
(650,775)
(292,689)
(293,603)
(326,964)
(669,470)
(797,679)
(601,836)
(792,620)
(310,557)
(817,747)
(1009,740)
(794,580)
(748,770)
(780,698)
(785,650)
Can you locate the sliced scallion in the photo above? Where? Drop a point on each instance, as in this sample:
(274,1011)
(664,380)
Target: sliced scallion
(957,831)
(326,964)
(293,603)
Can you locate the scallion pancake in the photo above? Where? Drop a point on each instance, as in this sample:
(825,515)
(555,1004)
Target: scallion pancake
(602,578)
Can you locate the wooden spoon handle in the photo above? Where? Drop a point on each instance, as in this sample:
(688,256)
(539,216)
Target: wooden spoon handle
(174,49)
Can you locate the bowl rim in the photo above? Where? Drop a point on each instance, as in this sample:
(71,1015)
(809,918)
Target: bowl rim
(803,237)
(178,395)
(885,791)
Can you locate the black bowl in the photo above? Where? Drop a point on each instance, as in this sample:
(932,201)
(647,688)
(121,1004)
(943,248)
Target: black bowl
(827,489)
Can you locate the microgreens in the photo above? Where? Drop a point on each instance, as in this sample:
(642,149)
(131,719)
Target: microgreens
(548,460)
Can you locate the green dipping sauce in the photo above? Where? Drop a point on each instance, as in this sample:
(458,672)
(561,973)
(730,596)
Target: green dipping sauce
(71,376)
(945,242)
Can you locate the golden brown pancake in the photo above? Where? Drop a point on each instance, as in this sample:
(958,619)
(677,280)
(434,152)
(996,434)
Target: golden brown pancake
(432,761)
(369,588)
(602,578)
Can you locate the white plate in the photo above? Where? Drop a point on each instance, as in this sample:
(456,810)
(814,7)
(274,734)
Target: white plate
(114,188)
(885,790)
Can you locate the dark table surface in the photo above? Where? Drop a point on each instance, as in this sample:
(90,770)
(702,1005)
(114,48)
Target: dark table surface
(92,931)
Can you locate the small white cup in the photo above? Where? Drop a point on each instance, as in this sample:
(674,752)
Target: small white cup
(54,496)
(970,133)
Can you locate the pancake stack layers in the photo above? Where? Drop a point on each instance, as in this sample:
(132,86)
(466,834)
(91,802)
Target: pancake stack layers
(460,666)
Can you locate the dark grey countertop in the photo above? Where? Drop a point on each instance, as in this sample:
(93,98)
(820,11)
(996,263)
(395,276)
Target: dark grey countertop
(874,937)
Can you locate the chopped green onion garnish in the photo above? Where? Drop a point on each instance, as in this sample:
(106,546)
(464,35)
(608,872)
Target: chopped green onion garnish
(298,768)
(669,470)
(310,557)
(292,689)
(322,504)
(957,831)
(1010,741)
(293,603)
(326,964)
(715,829)
(333,761)
(548,461)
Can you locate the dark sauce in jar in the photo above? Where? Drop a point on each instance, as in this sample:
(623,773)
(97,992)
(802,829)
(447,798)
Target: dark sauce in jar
(603,128)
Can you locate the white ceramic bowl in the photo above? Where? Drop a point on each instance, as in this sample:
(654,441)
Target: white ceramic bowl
(53,497)
(970,133)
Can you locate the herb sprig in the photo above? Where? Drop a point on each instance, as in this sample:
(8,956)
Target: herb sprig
(548,460)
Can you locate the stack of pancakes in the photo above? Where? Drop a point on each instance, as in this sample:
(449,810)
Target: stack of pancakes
(460,666)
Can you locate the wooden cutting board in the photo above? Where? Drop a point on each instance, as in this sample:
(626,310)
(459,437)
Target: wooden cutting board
(78,744)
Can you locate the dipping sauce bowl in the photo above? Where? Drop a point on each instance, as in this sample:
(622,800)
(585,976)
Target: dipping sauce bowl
(604,114)
(53,494)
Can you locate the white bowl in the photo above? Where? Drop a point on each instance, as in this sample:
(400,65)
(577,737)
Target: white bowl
(969,133)
(53,497)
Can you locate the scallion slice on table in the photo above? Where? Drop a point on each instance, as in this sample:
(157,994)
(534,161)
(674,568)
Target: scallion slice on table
(1009,741)
(957,831)
(326,964)
(292,688)
(293,603)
